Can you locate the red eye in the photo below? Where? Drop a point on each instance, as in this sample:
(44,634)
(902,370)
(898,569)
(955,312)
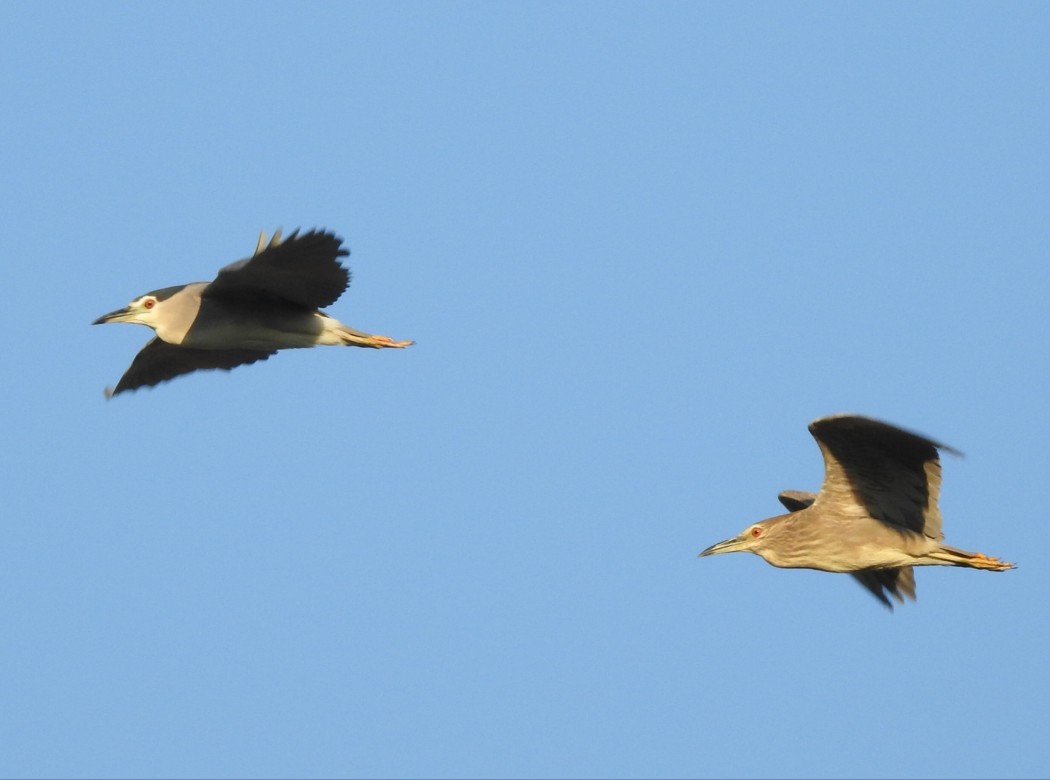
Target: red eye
(756,532)
(149,303)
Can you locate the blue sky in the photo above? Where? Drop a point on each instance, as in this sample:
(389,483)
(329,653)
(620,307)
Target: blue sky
(639,247)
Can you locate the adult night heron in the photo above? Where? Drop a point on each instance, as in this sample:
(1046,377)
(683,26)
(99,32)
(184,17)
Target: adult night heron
(876,515)
(253,308)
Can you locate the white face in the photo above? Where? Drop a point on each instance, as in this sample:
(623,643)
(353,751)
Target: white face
(144,306)
(142,310)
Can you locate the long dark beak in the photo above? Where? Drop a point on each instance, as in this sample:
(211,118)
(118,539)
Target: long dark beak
(736,544)
(113,315)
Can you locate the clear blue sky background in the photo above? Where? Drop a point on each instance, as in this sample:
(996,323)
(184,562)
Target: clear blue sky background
(640,247)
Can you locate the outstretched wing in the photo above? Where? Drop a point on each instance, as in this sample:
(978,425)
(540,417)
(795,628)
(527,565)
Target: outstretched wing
(303,270)
(160,361)
(874,468)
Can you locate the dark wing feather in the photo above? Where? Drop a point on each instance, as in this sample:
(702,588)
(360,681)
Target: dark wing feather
(796,500)
(888,473)
(303,270)
(895,582)
(160,361)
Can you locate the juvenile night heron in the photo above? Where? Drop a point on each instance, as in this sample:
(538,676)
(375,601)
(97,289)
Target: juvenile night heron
(876,515)
(253,308)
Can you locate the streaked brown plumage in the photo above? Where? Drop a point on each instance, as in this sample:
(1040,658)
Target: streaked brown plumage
(876,515)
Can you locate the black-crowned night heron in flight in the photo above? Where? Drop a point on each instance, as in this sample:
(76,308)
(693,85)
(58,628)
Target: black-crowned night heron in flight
(876,515)
(253,308)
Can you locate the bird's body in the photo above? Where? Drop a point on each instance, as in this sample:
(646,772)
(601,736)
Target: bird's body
(876,515)
(253,308)
(222,323)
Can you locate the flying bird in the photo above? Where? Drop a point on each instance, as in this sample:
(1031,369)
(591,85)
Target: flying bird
(254,307)
(875,517)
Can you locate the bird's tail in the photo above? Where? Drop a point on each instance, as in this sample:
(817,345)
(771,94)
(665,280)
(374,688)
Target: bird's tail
(953,556)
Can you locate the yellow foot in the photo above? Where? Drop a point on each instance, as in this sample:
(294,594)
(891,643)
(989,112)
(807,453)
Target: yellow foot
(386,341)
(982,561)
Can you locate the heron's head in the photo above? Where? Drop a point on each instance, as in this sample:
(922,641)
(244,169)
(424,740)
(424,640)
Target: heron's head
(758,538)
(144,310)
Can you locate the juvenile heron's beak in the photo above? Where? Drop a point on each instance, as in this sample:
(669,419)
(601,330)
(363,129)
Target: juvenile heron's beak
(114,316)
(736,544)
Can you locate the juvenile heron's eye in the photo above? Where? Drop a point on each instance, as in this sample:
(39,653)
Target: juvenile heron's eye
(149,303)
(756,532)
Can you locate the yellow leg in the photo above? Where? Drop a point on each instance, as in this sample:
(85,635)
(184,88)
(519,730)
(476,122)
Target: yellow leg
(982,561)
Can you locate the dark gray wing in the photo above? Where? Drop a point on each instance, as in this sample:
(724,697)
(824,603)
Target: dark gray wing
(303,270)
(894,582)
(796,500)
(879,582)
(160,361)
(888,473)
